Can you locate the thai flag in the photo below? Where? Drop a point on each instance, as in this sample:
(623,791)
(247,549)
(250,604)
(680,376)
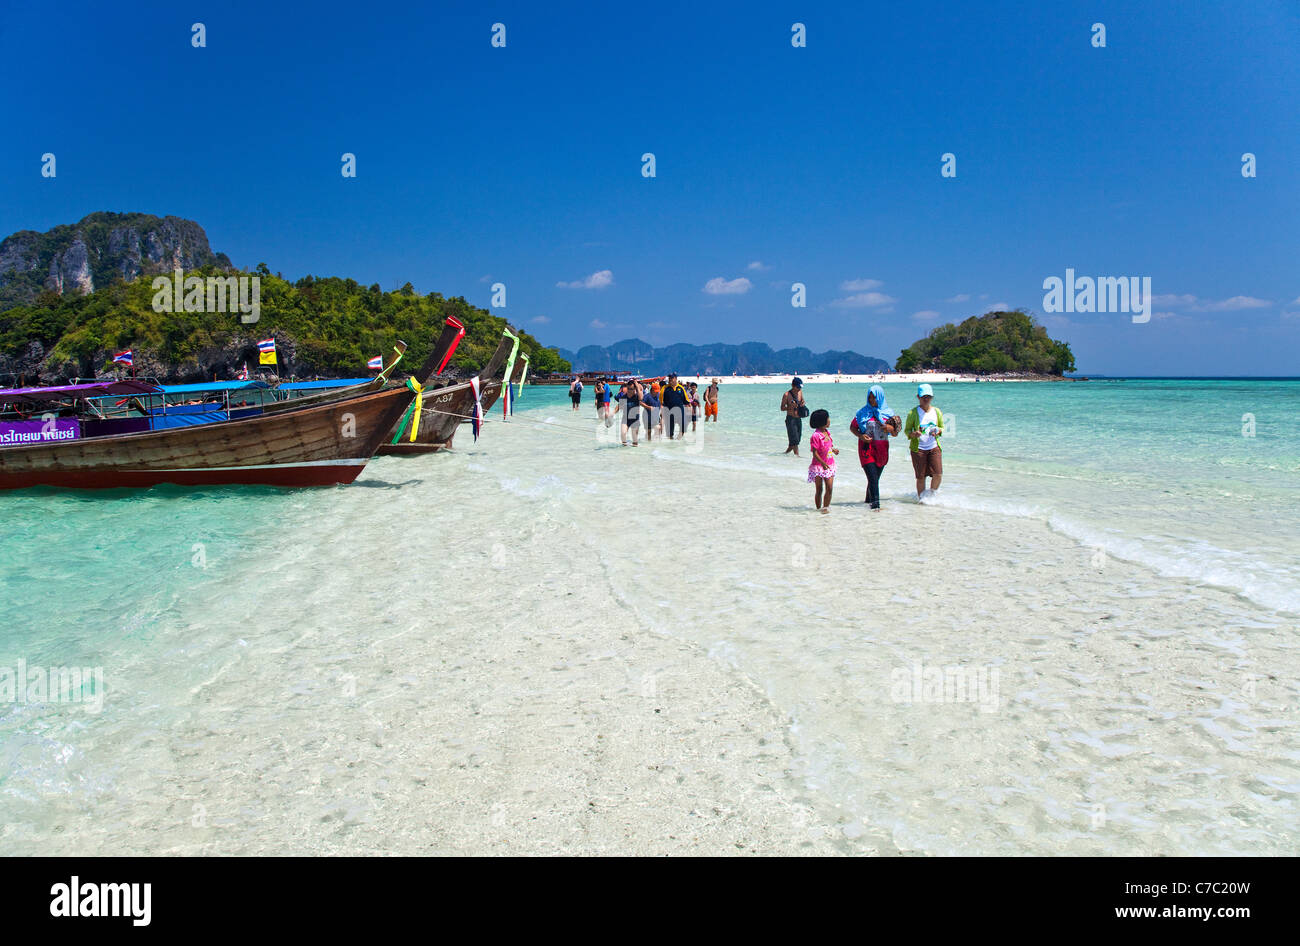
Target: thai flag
(507,398)
(265,346)
(124,357)
(477,420)
(376,363)
(243,375)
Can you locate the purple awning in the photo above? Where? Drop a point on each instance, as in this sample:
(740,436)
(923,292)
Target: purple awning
(58,392)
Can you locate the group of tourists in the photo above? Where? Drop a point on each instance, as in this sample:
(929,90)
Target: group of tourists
(873,425)
(653,404)
(671,404)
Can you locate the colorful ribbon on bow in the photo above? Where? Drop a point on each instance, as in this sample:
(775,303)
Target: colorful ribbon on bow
(507,393)
(418,388)
(477,420)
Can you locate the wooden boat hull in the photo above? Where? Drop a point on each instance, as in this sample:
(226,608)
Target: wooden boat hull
(491,393)
(438,420)
(446,408)
(313,446)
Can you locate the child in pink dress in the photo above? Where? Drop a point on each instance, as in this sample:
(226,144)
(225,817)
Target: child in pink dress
(822,468)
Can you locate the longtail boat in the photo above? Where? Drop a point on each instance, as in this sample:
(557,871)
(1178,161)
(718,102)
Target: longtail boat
(376,383)
(317,444)
(446,408)
(492,389)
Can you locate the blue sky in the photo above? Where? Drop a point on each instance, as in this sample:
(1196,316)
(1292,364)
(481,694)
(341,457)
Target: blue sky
(774,164)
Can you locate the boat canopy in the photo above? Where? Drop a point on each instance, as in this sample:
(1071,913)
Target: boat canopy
(61,391)
(320,385)
(212,386)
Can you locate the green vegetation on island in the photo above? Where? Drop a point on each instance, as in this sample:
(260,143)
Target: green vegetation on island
(996,343)
(325,327)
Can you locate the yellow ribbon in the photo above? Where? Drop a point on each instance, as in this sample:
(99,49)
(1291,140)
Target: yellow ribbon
(418,388)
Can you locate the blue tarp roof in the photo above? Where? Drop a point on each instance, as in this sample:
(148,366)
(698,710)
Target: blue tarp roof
(212,386)
(327,383)
(97,389)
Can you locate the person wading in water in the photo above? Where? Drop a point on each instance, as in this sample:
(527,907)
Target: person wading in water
(793,407)
(711,402)
(629,397)
(675,404)
(924,427)
(874,424)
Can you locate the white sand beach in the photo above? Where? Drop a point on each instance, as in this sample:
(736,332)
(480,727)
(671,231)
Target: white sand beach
(542,642)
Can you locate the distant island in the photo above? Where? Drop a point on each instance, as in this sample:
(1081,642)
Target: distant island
(994,343)
(74,296)
(634,355)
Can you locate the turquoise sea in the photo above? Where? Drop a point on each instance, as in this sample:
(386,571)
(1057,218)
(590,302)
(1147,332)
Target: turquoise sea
(359,669)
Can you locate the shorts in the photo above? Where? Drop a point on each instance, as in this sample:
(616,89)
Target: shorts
(927,462)
(576,398)
(633,418)
(793,430)
(711,410)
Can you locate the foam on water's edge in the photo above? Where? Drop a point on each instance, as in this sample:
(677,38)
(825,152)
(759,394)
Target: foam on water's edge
(1201,563)
(1254,579)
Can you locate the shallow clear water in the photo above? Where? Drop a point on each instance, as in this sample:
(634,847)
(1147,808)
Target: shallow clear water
(1114,563)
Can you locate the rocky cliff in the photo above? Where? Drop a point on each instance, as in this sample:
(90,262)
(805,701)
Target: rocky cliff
(96,251)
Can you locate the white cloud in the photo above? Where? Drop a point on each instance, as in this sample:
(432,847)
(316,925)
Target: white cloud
(925,315)
(864,300)
(717,286)
(540,320)
(960,297)
(1234,304)
(601,280)
(597,324)
(1194,304)
(757,267)
(860,285)
(997,307)
(487,278)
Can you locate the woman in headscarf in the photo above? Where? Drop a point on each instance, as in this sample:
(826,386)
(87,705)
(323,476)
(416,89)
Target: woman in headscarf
(873,425)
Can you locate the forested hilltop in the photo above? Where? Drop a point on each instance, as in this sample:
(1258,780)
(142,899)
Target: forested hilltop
(996,343)
(325,327)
